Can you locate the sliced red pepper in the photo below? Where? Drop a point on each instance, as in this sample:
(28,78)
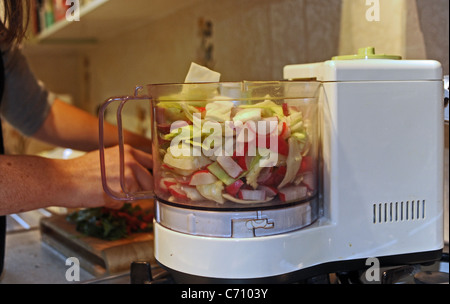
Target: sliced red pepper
(252,195)
(147,218)
(240,156)
(283,147)
(234,188)
(177,192)
(164,128)
(292,193)
(277,176)
(169,183)
(307,164)
(285,109)
(243,149)
(284,131)
(143,225)
(241,162)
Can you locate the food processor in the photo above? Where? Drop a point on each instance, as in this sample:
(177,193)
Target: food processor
(277,181)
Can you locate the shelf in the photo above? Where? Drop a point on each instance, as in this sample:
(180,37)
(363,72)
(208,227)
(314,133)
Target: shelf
(102,19)
(65,31)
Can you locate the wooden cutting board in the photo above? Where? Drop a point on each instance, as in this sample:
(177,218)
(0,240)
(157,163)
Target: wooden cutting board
(97,256)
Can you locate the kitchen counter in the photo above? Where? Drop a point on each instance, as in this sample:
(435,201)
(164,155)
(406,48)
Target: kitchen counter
(27,259)
(30,261)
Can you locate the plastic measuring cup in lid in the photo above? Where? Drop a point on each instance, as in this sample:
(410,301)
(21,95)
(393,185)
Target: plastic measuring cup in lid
(367,53)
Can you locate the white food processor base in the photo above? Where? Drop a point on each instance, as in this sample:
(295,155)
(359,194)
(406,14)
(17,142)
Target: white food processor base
(282,258)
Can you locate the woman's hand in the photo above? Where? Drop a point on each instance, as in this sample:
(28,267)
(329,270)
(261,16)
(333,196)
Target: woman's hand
(31,182)
(85,182)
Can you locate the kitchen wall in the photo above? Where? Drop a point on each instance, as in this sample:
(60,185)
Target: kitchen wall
(250,39)
(414,29)
(247,39)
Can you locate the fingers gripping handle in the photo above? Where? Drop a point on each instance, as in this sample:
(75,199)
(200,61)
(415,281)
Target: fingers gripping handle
(125,194)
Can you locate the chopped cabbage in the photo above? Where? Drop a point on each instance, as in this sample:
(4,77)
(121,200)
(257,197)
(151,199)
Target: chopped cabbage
(212,191)
(269,108)
(219,111)
(293,161)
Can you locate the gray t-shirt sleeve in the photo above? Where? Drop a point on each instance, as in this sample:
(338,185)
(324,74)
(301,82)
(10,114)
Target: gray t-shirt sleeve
(25,101)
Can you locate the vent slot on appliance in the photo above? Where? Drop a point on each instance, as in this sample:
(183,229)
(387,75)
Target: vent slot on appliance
(398,211)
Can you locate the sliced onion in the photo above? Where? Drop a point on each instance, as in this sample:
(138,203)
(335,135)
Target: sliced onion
(239,201)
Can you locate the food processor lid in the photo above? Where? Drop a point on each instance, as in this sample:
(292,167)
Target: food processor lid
(367,53)
(366,66)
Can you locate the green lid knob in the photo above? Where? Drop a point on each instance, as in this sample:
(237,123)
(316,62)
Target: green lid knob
(367,53)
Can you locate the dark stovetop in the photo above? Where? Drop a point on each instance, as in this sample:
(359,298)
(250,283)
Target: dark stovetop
(434,273)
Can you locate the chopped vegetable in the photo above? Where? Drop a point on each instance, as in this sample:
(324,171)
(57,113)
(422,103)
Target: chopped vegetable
(219,111)
(230,166)
(270,191)
(212,191)
(183,132)
(309,180)
(283,147)
(253,173)
(292,193)
(247,114)
(217,170)
(307,164)
(203,177)
(185,162)
(192,193)
(269,108)
(112,224)
(252,195)
(189,111)
(293,162)
(234,188)
(177,192)
(166,182)
(244,202)
(270,155)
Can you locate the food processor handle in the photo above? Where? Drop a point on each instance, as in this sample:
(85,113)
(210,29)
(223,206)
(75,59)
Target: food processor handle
(446,107)
(124,195)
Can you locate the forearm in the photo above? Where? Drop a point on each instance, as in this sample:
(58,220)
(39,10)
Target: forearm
(29,182)
(70,127)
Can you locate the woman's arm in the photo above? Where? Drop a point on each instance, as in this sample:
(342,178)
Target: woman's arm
(70,127)
(31,182)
